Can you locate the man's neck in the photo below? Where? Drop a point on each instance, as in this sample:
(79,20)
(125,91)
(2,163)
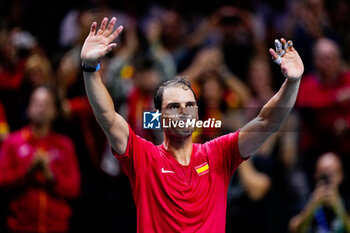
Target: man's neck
(179,148)
(40,130)
(329,79)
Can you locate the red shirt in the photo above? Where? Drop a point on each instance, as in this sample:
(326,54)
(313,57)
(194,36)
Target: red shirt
(329,103)
(41,206)
(170,197)
(315,94)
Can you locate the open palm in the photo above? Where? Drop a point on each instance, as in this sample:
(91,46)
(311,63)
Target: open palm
(98,44)
(291,64)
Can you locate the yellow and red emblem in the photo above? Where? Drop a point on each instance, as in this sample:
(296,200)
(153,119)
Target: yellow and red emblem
(202,169)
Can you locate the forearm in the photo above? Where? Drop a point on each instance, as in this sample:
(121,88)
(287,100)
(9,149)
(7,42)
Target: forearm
(255,183)
(240,88)
(270,118)
(299,223)
(276,110)
(99,98)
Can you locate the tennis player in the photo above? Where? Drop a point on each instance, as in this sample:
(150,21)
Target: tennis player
(180,186)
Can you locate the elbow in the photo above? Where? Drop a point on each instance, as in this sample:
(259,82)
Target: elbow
(106,120)
(258,193)
(294,224)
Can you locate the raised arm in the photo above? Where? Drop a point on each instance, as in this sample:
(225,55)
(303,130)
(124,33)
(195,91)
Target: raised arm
(276,110)
(95,47)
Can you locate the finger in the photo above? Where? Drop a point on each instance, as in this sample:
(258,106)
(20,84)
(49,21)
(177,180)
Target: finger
(110,47)
(110,26)
(103,26)
(284,42)
(276,58)
(93,29)
(116,33)
(289,46)
(279,49)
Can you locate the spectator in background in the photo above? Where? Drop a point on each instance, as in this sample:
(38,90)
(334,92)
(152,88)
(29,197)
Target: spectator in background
(12,67)
(339,12)
(11,62)
(213,102)
(264,189)
(101,193)
(40,168)
(325,211)
(221,94)
(324,101)
(173,36)
(135,43)
(37,72)
(238,39)
(146,78)
(260,82)
(4,131)
(308,21)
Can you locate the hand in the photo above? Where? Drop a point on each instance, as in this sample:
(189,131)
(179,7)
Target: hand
(42,162)
(288,58)
(331,197)
(97,45)
(317,197)
(208,59)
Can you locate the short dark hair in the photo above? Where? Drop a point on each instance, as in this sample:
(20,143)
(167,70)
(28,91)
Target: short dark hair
(177,81)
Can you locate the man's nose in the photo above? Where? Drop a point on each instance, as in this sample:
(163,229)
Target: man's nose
(183,110)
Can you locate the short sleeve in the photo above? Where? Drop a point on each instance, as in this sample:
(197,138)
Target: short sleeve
(224,153)
(137,155)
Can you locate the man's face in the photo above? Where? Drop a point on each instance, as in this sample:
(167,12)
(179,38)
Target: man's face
(179,104)
(329,171)
(327,60)
(41,110)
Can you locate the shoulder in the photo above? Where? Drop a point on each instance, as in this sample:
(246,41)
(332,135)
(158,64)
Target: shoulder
(223,140)
(16,137)
(225,144)
(345,76)
(139,142)
(137,145)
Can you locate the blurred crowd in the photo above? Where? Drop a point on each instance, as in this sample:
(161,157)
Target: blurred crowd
(57,172)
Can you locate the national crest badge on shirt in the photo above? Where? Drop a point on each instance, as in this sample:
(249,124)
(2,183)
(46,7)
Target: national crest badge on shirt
(202,169)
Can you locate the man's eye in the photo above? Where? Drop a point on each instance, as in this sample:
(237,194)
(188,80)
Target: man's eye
(173,107)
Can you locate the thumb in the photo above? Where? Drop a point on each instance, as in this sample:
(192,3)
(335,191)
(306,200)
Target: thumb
(109,48)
